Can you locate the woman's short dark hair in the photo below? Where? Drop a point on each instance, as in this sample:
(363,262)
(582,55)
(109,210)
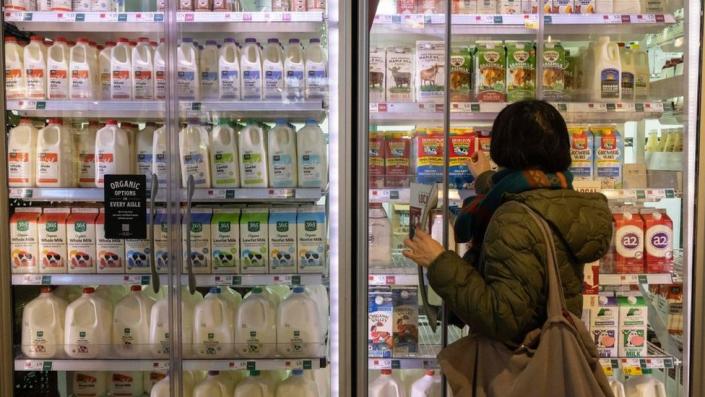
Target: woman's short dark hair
(530,134)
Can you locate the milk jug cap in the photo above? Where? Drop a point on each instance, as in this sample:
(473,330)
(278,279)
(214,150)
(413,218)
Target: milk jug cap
(45,289)
(88,290)
(430,372)
(250,40)
(83,40)
(229,40)
(60,39)
(386,372)
(282,122)
(314,40)
(214,290)
(56,121)
(143,40)
(211,42)
(273,40)
(298,290)
(35,38)
(111,122)
(294,41)
(123,40)
(110,43)
(10,39)
(257,290)
(136,288)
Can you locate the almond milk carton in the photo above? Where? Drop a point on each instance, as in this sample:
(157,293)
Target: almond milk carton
(377,72)
(161,240)
(225,240)
(628,242)
(200,235)
(604,326)
(282,240)
(379,323)
(400,75)
(24,240)
(254,238)
(81,236)
(430,78)
(633,321)
(52,240)
(110,253)
(658,241)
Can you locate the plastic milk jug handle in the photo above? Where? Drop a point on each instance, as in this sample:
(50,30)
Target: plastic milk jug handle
(153,259)
(191,184)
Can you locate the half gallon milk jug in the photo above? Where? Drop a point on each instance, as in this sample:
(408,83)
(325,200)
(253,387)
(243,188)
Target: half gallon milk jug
(256,326)
(58,70)
(89,384)
(125,384)
(644,386)
(43,325)
(315,57)
(215,385)
(55,156)
(251,67)
(628,74)
(163,389)
(160,71)
(160,166)
(642,74)
(145,140)
(605,84)
(254,386)
(298,328)
(294,70)
(208,62)
(187,81)
(386,386)
(21,152)
(273,69)
(143,70)
(81,70)
(224,154)
(213,327)
(159,323)
(312,156)
(15,86)
(35,68)
(428,386)
(253,156)
(86,155)
(229,70)
(112,151)
(131,324)
(283,170)
(297,385)
(193,148)
(121,79)
(104,70)
(88,326)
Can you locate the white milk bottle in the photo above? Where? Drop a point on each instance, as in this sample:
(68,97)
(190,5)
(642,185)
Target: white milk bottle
(256,326)
(215,385)
(112,151)
(21,152)
(229,70)
(81,5)
(213,329)
(131,131)
(628,77)
(88,326)
(251,68)
(298,328)
(294,70)
(312,153)
(193,148)
(15,85)
(319,294)
(253,156)
(89,384)
(208,62)
(104,70)
(86,155)
(386,386)
(160,166)
(58,70)
(187,82)
(143,70)
(297,385)
(145,140)
(233,298)
(125,384)
(81,71)
(131,324)
(273,70)
(224,154)
(55,156)
(35,68)
(254,385)
(121,79)
(102,5)
(159,323)
(315,57)
(43,325)
(160,71)
(605,82)
(641,73)
(428,386)
(282,159)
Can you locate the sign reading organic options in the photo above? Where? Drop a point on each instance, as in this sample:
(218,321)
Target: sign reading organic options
(125,206)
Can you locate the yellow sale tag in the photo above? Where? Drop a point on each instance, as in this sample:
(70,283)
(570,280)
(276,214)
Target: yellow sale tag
(631,370)
(531,23)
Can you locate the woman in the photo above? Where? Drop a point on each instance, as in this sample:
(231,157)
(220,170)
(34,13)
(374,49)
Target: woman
(499,287)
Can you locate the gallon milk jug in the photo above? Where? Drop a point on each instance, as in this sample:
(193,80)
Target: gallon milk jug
(151,378)
(213,327)
(160,71)
(104,70)
(143,70)
(233,298)
(58,70)
(187,82)
(131,324)
(605,84)
(121,79)
(162,388)
(255,326)
(86,155)
(617,388)
(297,385)
(159,323)
(125,384)
(295,70)
(628,74)
(254,385)
(642,74)
(131,131)
(644,386)
(298,328)
(112,151)
(229,70)
(386,386)
(21,152)
(193,148)
(145,140)
(251,67)
(208,63)
(273,69)
(55,156)
(215,385)
(312,156)
(315,63)
(160,166)
(88,326)
(224,154)
(253,156)
(89,384)
(15,86)
(43,325)
(428,386)
(319,294)
(81,70)
(35,68)
(283,170)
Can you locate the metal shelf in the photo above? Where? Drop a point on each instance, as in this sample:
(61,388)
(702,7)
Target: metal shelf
(393,279)
(151,365)
(633,366)
(299,110)
(88,109)
(202,280)
(266,22)
(668,88)
(402,363)
(50,21)
(636,279)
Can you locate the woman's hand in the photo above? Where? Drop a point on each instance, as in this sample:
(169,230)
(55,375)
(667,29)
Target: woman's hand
(422,249)
(479,163)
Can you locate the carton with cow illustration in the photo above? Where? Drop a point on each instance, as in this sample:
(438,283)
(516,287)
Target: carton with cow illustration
(52,240)
(377,71)
(521,71)
(24,240)
(430,78)
(81,239)
(405,320)
(633,317)
(400,72)
(604,326)
(490,67)
(461,75)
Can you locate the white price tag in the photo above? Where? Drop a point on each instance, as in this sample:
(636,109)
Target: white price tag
(32,279)
(654,363)
(219,281)
(281,279)
(160,365)
(237,365)
(381,363)
(379,195)
(33,365)
(135,279)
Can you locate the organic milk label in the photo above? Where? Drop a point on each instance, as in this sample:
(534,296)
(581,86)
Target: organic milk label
(609,157)
(405,321)
(161,240)
(251,81)
(81,81)
(400,72)
(609,83)
(52,240)
(120,82)
(521,73)
(225,240)
(628,242)
(144,85)
(604,326)
(554,65)
(312,244)
(35,75)
(658,242)
(633,317)
(81,235)
(462,148)
(376,77)
(460,75)
(186,82)
(510,6)
(397,160)
(110,253)
(490,64)
(273,80)
(282,240)
(429,158)
(58,83)
(24,240)
(585,6)
(379,323)
(200,236)
(581,153)
(253,167)
(254,236)
(430,79)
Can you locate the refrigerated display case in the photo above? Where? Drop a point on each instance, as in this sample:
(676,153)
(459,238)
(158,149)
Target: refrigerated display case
(178,196)
(433,75)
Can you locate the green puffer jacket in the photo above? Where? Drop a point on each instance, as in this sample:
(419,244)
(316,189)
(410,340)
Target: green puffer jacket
(505,296)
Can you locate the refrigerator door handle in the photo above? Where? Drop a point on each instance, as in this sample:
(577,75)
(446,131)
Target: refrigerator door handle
(191,184)
(152,216)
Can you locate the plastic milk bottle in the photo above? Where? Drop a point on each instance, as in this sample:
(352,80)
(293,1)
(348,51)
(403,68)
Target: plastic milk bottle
(15,86)
(88,326)
(160,71)
(131,324)
(298,329)
(428,386)
(187,83)
(215,385)
(112,151)
(251,67)
(21,152)
(225,171)
(193,148)
(315,57)
(386,386)
(273,69)
(282,159)
(104,70)
(605,81)
(255,326)
(82,69)
(297,385)
(160,166)
(208,62)
(35,68)
(213,327)
(143,70)
(43,325)
(145,140)
(253,156)
(254,385)
(229,70)
(121,78)
(55,156)
(86,155)
(312,156)
(58,70)
(294,70)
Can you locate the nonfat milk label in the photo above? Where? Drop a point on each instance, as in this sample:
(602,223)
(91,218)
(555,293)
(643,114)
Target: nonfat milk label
(254,237)
(311,234)
(200,236)
(225,240)
(282,240)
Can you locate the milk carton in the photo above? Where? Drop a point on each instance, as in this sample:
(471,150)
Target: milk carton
(397,160)
(628,242)
(658,241)
(460,75)
(487,6)
(52,240)
(406,6)
(282,240)
(582,153)
(585,6)
(405,321)
(254,236)
(490,65)
(563,7)
(633,321)
(609,157)
(464,7)
(89,384)
(24,240)
(225,240)
(379,323)
(604,323)
(312,243)
(429,158)
(510,6)
(400,69)
(138,254)
(161,240)
(377,71)
(430,79)
(110,253)
(200,240)
(521,71)
(375,161)
(462,148)
(81,236)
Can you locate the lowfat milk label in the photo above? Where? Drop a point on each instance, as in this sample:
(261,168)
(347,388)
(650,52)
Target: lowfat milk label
(312,166)
(282,240)
(110,253)
(81,231)
(161,240)
(379,323)
(52,240)
(24,240)
(200,240)
(609,157)
(312,242)
(254,238)
(251,82)
(581,153)
(225,240)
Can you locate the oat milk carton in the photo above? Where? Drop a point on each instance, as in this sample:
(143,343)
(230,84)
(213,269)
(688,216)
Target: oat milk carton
(161,240)
(609,157)
(24,240)
(81,237)
(200,240)
(509,6)
(52,240)
(254,238)
(461,75)
(377,71)
(490,67)
(521,71)
(312,243)
(633,320)
(400,72)
(405,321)
(379,322)
(628,242)
(110,253)
(581,153)
(604,326)
(282,240)
(225,240)
(585,6)
(430,78)
(138,254)
(658,241)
